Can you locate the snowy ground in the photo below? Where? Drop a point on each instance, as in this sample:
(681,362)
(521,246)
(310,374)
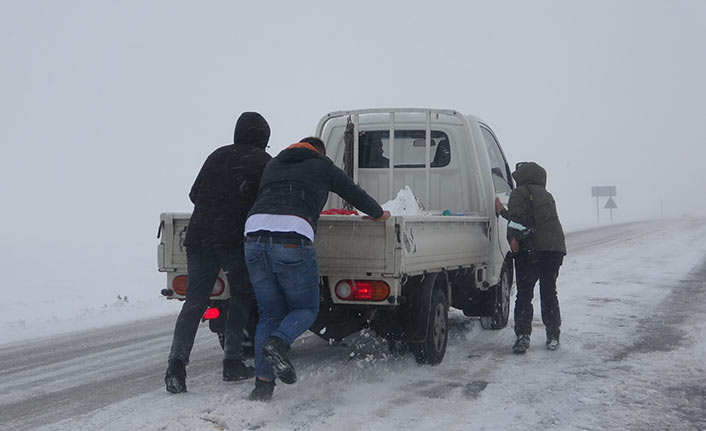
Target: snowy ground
(633,300)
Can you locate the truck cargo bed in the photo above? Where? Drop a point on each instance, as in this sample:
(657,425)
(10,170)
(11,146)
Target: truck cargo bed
(403,245)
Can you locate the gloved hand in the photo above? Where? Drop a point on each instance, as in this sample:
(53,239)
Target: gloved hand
(385,215)
(498,206)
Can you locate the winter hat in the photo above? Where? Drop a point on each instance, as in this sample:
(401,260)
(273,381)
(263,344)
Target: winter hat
(251,129)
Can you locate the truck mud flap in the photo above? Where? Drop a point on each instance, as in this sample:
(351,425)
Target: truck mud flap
(334,323)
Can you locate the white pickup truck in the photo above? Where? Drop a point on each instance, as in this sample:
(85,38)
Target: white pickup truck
(399,277)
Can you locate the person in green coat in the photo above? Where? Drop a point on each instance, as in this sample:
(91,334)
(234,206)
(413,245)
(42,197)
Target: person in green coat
(537,242)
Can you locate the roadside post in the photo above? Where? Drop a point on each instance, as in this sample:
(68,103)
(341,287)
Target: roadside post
(611,206)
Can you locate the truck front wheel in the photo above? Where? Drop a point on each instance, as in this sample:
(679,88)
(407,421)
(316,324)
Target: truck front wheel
(499,302)
(431,351)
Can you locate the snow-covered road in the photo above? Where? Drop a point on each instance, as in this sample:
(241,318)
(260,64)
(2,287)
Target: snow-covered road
(633,300)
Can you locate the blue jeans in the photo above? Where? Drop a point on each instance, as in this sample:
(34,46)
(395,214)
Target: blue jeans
(285,277)
(203,265)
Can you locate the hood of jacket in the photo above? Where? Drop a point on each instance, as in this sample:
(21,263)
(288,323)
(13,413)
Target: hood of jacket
(530,173)
(251,129)
(297,152)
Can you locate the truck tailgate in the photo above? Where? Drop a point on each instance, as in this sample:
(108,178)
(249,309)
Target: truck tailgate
(350,245)
(171,254)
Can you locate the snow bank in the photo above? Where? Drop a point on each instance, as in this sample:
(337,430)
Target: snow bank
(45,312)
(405,203)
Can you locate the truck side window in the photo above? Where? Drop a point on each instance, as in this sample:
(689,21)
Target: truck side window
(498,165)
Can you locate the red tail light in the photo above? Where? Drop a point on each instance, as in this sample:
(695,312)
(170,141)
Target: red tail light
(179,285)
(211,313)
(181,281)
(362,290)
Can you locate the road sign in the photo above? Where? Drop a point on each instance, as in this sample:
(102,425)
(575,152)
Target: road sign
(610,205)
(603,191)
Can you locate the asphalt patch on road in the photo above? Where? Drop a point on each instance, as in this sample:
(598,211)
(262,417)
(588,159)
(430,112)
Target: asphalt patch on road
(440,391)
(662,331)
(474,389)
(690,404)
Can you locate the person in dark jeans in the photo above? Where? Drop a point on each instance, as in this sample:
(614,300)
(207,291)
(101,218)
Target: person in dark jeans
(223,193)
(537,242)
(280,256)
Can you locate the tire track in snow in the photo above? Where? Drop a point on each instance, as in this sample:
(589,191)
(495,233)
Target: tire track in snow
(663,329)
(664,332)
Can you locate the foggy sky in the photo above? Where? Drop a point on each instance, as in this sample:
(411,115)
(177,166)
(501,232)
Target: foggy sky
(110,108)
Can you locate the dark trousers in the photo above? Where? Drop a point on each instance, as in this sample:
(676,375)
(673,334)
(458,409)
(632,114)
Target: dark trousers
(544,268)
(204,264)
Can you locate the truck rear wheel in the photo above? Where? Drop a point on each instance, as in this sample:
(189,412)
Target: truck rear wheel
(431,351)
(499,302)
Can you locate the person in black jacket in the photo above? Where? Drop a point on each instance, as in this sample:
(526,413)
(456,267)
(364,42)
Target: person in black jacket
(280,256)
(224,191)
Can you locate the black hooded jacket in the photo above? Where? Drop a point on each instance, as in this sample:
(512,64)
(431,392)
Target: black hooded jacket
(226,186)
(297,182)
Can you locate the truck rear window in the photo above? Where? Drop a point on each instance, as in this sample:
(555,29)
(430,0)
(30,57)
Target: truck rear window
(409,150)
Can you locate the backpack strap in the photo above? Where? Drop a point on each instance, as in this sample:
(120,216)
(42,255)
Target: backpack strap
(530,198)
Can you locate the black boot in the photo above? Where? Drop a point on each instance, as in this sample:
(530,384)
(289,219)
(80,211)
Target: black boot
(553,338)
(275,352)
(175,377)
(263,390)
(521,345)
(235,369)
